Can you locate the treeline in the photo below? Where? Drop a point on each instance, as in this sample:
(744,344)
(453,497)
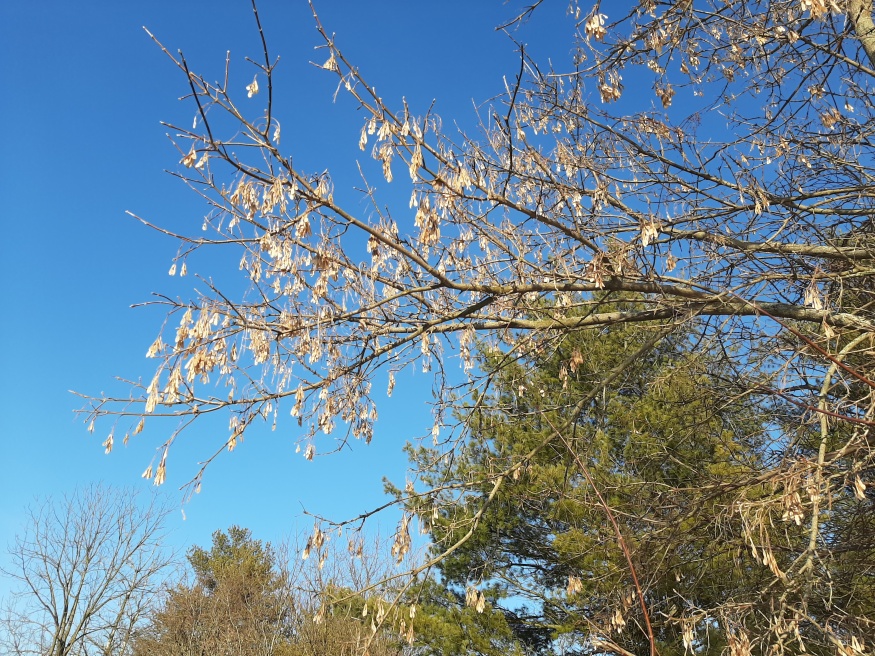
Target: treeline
(91,576)
(676,509)
(242,597)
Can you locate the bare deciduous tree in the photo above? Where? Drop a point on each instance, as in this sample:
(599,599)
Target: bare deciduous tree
(87,568)
(733,204)
(344,603)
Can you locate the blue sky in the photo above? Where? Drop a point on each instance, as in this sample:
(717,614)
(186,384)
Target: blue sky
(83,91)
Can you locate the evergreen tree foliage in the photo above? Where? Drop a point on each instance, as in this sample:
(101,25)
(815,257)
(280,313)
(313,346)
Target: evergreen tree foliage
(242,599)
(237,603)
(664,485)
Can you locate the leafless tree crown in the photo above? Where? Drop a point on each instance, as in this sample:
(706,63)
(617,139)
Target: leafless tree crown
(86,570)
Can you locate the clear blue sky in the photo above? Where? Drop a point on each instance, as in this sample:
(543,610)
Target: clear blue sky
(82,91)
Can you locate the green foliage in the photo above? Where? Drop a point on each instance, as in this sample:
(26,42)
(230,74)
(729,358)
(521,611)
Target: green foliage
(237,603)
(233,554)
(444,626)
(241,600)
(677,454)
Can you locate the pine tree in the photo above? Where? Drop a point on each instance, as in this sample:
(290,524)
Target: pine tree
(236,604)
(649,501)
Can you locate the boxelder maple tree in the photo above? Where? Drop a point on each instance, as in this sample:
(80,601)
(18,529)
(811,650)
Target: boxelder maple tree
(730,204)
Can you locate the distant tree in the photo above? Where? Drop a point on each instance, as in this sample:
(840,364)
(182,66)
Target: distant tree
(349,602)
(340,627)
(237,603)
(245,599)
(87,569)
